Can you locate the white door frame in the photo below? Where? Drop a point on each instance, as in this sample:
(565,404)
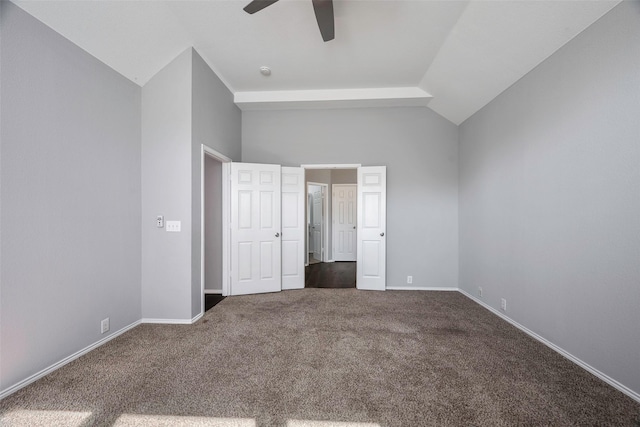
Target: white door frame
(206,151)
(333,166)
(324,188)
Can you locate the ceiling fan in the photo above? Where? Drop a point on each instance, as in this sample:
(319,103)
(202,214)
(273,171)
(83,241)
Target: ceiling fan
(322,8)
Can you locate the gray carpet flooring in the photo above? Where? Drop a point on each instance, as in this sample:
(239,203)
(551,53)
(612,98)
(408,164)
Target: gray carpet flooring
(324,358)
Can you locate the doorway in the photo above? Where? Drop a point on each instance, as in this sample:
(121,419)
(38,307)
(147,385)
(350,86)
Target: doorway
(317,222)
(331,209)
(370,219)
(334,275)
(214,238)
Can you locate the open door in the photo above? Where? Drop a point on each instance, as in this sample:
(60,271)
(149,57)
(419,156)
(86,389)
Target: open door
(293,228)
(371,223)
(255,228)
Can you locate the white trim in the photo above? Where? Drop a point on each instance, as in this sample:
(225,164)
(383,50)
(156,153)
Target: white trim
(410,96)
(202,230)
(604,377)
(213,291)
(12,389)
(226,228)
(419,288)
(215,154)
(169,321)
(332,166)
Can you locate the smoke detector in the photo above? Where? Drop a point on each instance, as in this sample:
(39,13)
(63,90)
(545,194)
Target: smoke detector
(265,71)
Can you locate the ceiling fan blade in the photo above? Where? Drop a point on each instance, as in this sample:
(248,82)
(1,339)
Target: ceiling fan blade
(324,16)
(258,5)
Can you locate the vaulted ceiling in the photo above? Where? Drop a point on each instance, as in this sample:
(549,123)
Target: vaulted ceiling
(451,56)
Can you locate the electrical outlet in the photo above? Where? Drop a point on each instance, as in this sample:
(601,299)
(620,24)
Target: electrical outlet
(503,304)
(479,291)
(160,221)
(104,326)
(409,279)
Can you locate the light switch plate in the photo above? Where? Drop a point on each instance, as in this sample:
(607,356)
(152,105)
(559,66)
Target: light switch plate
(173,226)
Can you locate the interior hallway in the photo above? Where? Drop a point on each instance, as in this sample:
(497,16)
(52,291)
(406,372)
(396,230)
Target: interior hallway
(331,275)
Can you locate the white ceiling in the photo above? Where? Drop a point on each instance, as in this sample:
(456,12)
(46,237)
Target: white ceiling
(452,56)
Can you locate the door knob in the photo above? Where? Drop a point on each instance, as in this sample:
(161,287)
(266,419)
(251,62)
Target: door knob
(277,234)
(354,227)
(381,234)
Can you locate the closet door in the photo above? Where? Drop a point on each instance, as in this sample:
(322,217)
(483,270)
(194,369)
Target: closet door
(255,228)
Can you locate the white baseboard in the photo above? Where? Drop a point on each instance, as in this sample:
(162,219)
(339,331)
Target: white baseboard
(418,288)
(12,389)
(168,321)
(213,291)
(604,377)
(173,321)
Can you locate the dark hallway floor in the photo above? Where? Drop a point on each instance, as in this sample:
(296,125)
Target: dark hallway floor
(331,275)
(211,299)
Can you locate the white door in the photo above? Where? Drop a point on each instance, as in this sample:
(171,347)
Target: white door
(344,222)
(316,225)
(371,207)
(255,228)
(293,228)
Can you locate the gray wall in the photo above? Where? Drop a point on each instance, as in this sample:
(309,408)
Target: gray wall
(70,191)
(213,224)
(216,123)
(550,196)
(216,119)
(166,190)
(344,176)
(420,151)
(183,106)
